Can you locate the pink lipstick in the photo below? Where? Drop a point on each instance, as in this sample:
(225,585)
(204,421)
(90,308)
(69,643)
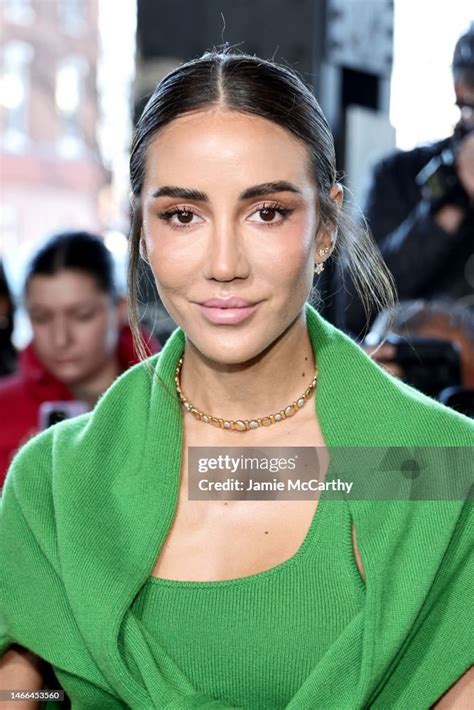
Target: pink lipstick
(227,311)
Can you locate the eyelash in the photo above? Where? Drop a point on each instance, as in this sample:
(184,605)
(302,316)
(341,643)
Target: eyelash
(284,212)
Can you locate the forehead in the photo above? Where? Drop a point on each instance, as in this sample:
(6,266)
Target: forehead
(66,288)
(230,148)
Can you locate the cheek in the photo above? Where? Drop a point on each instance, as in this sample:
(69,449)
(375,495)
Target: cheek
(42,340)
(289,255)
(99,335)
(172,257)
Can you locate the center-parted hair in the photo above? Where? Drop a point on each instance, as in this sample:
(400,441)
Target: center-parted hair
(246,84)
(75,251)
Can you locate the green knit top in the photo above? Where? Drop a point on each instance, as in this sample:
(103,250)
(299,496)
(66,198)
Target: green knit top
(281,621)
(87,505)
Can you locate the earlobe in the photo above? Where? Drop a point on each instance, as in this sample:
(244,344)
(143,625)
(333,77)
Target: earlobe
(324,253)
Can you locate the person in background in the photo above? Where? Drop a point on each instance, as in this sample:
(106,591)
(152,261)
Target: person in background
(7,349)
(437,320)
(420,208)
(81,338)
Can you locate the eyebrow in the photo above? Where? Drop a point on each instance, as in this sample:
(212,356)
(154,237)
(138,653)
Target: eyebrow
(34,307)
(265,188)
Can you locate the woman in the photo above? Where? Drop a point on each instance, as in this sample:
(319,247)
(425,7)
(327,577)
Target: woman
(159,601)
(81,341)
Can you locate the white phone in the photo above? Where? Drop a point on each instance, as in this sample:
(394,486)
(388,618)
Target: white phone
(53,412)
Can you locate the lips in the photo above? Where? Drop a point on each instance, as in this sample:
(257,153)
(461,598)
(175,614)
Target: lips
(227,303)
(227,311)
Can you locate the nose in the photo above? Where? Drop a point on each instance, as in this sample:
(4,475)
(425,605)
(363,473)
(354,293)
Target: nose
(60,333)
(226,257)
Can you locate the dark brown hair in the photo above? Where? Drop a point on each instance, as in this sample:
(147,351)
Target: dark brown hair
(76,251)
(247,84)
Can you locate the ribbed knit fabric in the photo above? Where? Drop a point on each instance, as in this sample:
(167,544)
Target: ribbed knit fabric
(87,505)
(281,621)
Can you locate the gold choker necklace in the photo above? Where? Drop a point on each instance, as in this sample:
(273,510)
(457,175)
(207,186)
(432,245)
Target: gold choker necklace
(244,424)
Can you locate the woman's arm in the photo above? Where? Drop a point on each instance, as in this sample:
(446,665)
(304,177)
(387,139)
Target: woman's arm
(460,696)
(21,670)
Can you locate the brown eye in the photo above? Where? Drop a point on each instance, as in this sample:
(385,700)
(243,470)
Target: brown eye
(185,217)
(272,215)
(267,214)
(180,217)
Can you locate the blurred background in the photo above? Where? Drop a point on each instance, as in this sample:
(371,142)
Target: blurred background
(75,74)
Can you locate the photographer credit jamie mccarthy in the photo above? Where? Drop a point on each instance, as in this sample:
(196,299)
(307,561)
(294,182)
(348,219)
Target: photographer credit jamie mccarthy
(263,473)
(275,485)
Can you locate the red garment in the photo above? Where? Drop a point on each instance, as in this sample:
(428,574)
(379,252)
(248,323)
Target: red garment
(22,393)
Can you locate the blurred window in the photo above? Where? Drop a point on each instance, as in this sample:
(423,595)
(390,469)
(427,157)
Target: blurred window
(422,101)
(14,92)
(72,14)
(18,11)
(69,91)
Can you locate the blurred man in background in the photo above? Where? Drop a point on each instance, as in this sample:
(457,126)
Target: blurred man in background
(421,207)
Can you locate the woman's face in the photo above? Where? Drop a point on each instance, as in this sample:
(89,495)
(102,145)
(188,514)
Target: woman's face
(230,212)
(75,324)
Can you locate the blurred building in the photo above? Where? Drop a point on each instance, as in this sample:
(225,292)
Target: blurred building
(51,171)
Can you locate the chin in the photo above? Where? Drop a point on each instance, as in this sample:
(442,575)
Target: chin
(237,349)
(241,343)
(68,376)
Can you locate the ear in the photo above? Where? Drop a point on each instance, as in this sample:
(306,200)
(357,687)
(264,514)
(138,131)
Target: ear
(135,201)
(122,310)
(337,193)
(327,233)
(142,248)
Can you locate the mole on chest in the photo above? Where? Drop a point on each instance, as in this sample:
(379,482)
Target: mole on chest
(232,538)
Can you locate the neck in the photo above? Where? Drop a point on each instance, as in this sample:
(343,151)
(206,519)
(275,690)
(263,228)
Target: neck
(261,386)
(89,390)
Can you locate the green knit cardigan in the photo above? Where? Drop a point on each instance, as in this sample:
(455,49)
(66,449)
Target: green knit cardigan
(87,505)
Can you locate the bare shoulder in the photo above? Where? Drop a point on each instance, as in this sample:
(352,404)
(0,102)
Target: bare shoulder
(19,668)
